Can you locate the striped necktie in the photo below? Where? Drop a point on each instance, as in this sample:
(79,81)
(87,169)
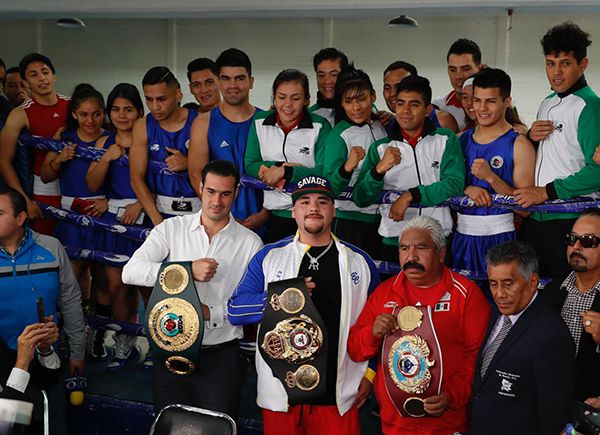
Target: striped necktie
(490,351)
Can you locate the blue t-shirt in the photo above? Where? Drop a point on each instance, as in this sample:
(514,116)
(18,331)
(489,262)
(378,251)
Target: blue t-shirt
(500,156)
(177,186)
(227,141)
(74,171)
(118,180)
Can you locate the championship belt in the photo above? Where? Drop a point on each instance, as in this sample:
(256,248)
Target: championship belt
(412,361)
(292,340)
(174,319)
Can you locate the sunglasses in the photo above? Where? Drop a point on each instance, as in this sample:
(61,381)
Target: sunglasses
(586,241)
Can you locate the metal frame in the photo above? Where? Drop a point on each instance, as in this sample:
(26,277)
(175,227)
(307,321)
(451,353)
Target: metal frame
(198,411)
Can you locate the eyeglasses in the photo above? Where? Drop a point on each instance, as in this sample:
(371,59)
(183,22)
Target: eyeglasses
(586,241)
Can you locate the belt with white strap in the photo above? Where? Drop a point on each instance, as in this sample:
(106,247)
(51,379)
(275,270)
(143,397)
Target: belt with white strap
(490,225)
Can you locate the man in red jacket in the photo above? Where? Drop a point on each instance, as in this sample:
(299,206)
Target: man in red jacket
(456,315)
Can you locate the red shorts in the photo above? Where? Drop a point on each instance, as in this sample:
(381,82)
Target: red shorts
(311,420)
(46,225)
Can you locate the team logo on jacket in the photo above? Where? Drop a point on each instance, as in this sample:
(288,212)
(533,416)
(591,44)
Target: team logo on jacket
(304,151)
(154,147)
(496,162)
(435,164)
(559,127)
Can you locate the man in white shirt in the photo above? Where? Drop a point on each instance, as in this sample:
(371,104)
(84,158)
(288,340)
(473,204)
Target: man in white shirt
(464,60)
(33,366)
(219,249)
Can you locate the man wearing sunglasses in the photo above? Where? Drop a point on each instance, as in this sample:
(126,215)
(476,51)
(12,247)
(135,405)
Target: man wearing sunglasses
(578,299)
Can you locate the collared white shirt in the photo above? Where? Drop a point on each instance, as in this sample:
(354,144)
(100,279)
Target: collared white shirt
(19,378)
(183,238)
(513,319)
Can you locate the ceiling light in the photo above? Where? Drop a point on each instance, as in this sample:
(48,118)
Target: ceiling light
(70,23)
(403,21)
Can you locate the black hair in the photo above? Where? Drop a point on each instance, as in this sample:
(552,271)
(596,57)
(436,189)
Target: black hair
(416,84)
(129,92)
(567,37)
(465,46)
(201,64)
(34,57)
(517,251)
(17,200)
(160,74)
(493,78)
(81,93)
(400,64)
(12,69)
(330,53)
(191,106)
(2,64)
(223,168)
(234,57)
(291,75)
(594,212)
(349,79)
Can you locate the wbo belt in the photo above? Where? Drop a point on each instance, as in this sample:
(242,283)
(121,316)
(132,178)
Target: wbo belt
(292,340)
(174,319)
(412,361)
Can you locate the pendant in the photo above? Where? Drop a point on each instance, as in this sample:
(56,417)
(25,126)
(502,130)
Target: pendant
(314,264)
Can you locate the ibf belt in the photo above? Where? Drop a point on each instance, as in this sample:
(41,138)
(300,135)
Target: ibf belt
(292,340)
(174,319)
(412,361)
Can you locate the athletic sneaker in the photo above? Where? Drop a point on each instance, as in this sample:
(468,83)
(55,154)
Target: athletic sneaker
(125,351)
(98,349)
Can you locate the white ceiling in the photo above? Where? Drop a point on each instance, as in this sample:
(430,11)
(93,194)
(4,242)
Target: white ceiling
(39,9)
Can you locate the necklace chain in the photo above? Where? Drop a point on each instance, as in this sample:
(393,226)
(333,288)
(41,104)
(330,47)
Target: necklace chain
(314,261)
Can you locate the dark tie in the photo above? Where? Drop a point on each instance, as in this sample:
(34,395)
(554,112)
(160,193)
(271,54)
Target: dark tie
(490,351)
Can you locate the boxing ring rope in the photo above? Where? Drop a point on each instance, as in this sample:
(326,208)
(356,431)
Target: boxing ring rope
(139,233)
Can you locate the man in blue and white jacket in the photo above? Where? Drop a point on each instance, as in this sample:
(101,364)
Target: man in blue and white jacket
(31,266)
(314,252)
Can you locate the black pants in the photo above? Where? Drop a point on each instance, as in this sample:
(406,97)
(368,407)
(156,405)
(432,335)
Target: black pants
(214,384)
(361,234)
(547,238)
(280,228)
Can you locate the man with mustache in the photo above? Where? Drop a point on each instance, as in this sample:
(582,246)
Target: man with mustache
(339,277)
(459,315)
(578,299)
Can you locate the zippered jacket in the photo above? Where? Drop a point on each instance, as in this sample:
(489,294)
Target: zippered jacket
(433,171)
(280,261)
(340,141)
(40,268)
(303,147)
(564,162)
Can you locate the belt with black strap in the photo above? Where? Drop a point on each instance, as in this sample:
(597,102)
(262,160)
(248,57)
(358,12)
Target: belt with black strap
(174,319)
(292,340)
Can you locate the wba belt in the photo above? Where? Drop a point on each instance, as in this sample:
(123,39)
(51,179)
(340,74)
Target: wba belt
(174,319)
(412,361)
(292,340)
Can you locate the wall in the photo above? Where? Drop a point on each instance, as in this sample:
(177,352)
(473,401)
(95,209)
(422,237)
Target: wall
(110,51)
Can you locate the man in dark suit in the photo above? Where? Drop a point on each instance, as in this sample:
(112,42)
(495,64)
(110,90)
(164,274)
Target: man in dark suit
(526,367)
(577,298)
(32,367)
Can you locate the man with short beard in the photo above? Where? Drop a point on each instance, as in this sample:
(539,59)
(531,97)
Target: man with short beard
(338,277)
(457,317)
(222,134)
(578,299)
